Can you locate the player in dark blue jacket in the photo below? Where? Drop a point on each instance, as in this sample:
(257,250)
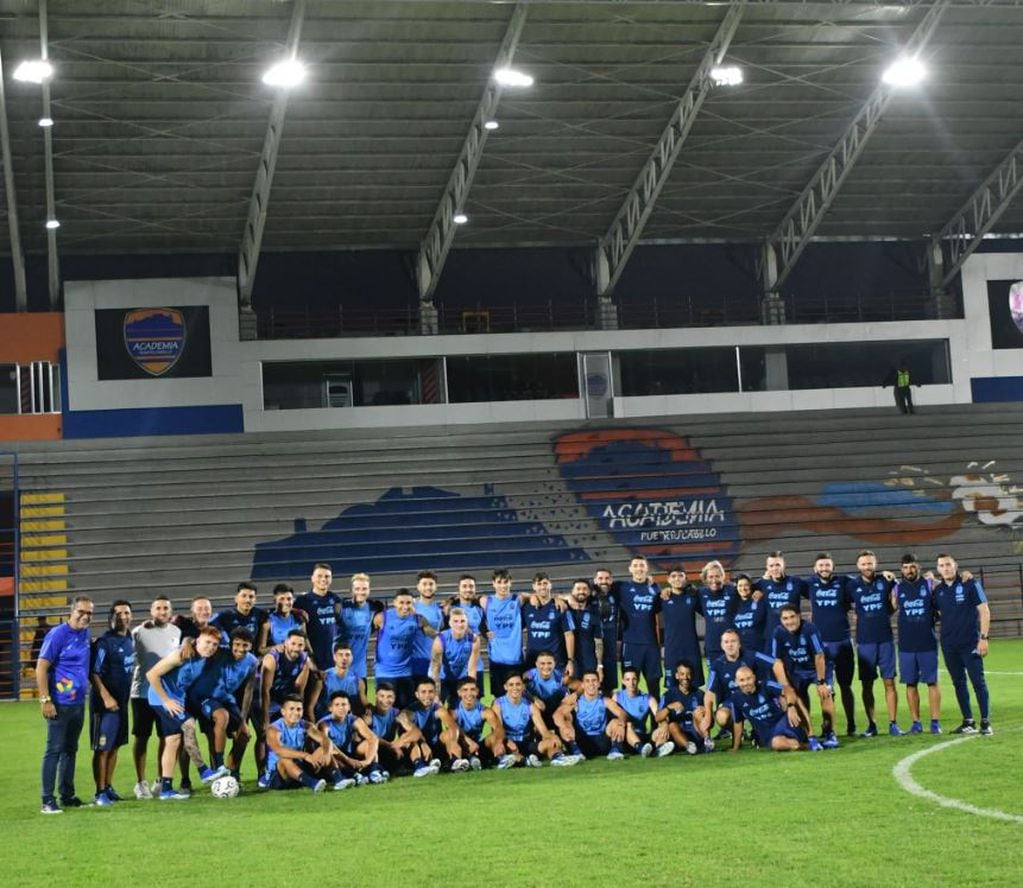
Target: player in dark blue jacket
(965,619)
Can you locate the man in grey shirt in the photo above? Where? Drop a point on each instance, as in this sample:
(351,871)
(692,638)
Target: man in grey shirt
(154,640)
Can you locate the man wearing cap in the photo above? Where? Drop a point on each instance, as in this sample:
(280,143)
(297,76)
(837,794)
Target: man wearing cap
(918,645)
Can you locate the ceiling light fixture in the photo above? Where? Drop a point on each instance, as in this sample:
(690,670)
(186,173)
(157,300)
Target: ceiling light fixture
(905,71)
(285,74)
(46,121)
(490,125)
(459,218)
(726,75)
(33,71)
(512,77)
(52,223)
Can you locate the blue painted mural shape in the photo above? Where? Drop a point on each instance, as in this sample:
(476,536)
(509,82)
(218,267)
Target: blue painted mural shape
(653,493)
(407,531)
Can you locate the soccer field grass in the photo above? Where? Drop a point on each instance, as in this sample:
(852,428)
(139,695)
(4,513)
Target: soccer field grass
(832,818)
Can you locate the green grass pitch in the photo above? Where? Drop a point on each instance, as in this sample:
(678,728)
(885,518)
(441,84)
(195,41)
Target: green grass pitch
(756,818)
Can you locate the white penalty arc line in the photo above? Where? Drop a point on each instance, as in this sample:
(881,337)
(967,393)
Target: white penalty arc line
(901,773)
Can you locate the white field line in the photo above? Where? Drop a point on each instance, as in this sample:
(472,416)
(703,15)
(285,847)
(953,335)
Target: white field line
(902,775)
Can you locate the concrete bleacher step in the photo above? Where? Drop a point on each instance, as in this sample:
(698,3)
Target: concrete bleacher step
(183,516)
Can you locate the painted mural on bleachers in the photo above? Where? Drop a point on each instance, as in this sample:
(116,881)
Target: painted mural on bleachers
(403,531)
(651,492)
(645,491)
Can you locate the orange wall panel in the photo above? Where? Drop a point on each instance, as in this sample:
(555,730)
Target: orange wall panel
(28,337)
(40,427)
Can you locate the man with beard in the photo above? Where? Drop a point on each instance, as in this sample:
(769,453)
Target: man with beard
(610,620)
(830,603)
(589,639)
(918,644)
(875,647)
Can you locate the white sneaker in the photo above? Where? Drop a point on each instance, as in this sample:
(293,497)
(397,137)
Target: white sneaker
(435,766)
(475,763)
(505,761)
(666,748)
(615,755)
(646,750)
(344,783)
(142,790)
(533,762)
(459,765)
(692,748)
(155,788)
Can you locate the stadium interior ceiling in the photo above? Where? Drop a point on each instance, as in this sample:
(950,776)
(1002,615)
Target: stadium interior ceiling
(160,119)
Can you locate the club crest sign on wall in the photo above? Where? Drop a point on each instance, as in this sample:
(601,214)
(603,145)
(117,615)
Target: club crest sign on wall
(1016,304)
(155,338)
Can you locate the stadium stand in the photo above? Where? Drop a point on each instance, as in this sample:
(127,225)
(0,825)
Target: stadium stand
(145,516)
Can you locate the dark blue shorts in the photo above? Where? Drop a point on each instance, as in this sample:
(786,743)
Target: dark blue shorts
(918,666)
(593,745)
(168,725)
(644,657)
(210,705)
(841,661)
(874,658)
(782,728)
(108,729)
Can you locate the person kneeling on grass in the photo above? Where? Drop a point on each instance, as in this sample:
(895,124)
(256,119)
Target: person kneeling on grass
(592,724)
(470,717)
(776,725)
(639,708)
(681,711)
(437,730)
(354,746)
(518,733)
(289,761)
(169,681)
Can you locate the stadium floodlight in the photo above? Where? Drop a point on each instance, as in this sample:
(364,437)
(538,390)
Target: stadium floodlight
(52,223)
(905,71)
(46,121)
(490,125)
(285,74)
(33,71)
(726,75)
(459,218)
(512,77)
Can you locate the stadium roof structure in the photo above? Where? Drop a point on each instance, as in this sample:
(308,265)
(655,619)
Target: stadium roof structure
(164,137)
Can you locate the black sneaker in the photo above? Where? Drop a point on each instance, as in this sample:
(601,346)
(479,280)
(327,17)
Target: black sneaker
(851,730)
(985,727)
(967,727)
(871,731)
(73,802)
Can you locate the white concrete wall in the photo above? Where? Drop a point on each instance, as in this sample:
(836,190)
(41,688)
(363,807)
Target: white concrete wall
(256,419)
(980,358)
(87,392)
(237,372)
